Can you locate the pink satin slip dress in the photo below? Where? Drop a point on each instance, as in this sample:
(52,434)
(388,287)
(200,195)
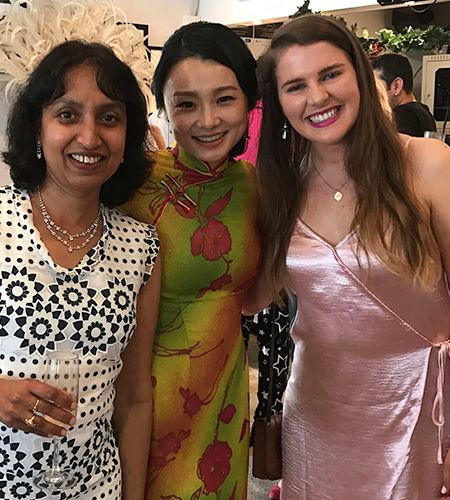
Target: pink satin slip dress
(365,405)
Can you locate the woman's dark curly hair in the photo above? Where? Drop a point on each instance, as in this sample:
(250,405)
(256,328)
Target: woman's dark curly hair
(46,84)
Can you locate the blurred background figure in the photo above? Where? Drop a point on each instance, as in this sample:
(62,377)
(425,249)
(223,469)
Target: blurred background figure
(411,116)
(161,136)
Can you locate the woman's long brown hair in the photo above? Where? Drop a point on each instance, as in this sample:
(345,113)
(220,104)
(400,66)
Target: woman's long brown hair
(388,220)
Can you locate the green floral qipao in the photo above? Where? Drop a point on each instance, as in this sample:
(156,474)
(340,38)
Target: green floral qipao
(206,221)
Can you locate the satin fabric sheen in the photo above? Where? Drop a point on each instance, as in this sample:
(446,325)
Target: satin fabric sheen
(358,408)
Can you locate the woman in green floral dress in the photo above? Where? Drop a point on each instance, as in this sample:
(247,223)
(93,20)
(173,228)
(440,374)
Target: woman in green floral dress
(204,205)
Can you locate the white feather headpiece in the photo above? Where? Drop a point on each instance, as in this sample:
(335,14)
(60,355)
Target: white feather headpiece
(28,34)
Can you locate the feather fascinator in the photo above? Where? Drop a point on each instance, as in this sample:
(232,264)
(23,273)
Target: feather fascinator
(31,28)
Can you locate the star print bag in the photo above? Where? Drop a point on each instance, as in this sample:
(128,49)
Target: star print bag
(266,431)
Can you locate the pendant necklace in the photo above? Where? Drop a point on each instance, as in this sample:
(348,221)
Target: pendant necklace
(338,194)
(62,235)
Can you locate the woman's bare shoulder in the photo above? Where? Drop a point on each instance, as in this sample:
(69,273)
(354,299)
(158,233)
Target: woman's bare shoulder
(430,160)
(427,153)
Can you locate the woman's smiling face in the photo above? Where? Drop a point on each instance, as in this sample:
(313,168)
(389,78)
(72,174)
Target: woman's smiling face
(206,108)
(83,133)
(318,91)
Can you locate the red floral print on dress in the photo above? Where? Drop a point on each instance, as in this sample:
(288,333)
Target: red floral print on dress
(214,466)
(192,176)
(192,402)
(227,414)
(244,429)
(170,444)
(188,211)
(216,284)
(213,240)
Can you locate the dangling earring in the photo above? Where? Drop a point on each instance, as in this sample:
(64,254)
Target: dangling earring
(38,150)
(284,130)
(246,139)
(122,160)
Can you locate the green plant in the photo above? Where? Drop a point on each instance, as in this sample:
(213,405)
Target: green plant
(417,39)
(432,38)
(303,10)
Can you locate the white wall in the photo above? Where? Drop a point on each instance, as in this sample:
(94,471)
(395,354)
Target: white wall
(372,21)
(244,11)
(239,11)
(162,16)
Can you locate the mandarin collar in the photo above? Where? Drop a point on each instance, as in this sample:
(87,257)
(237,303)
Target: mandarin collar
(194,163)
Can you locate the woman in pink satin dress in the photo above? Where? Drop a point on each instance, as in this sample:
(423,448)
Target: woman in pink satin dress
(356,221)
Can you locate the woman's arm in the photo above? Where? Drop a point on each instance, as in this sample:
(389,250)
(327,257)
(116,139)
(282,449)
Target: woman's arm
(133,404)
(432,160)
(440,204)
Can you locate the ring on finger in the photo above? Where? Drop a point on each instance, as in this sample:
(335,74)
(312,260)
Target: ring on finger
(35,407)
(31,421)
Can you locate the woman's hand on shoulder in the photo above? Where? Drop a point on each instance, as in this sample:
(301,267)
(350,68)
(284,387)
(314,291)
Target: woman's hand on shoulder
(32,401)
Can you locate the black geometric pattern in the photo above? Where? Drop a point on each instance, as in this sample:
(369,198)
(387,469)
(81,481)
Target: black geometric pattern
(90,309)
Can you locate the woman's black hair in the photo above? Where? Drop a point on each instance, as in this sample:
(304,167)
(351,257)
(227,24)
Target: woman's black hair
(208,41)
(46,84)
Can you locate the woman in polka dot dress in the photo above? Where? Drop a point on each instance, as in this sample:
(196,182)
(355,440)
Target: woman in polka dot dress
(74,274)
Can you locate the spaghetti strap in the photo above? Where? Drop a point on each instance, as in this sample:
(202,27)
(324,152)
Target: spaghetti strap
(408,142)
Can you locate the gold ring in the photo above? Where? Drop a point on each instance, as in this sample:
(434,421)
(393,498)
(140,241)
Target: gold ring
(31,421)
(35,407)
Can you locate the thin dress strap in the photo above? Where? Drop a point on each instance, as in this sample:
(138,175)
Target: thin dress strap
(407,143)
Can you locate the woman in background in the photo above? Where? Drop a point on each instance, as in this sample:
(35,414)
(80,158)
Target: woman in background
(356,221)
(204,206)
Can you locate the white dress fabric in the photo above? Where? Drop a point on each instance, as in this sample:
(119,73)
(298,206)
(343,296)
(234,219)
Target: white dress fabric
(91,310)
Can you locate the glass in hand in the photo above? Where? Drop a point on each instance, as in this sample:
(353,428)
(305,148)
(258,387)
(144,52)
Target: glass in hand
(62,371)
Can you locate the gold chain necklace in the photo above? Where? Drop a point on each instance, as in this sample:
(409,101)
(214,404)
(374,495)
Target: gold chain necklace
(62,235)
(338,194)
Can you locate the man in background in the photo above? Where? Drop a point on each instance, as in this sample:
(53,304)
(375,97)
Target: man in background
(411,116)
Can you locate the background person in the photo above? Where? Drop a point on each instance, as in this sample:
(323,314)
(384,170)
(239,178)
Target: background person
(411,116)
(356,220)
(204,204)
(76,275)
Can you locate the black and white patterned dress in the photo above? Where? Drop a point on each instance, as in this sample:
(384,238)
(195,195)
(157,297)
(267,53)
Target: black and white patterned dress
(91,310)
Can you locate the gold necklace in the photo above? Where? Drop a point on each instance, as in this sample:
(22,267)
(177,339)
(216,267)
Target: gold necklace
(338,194)
(62,235)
